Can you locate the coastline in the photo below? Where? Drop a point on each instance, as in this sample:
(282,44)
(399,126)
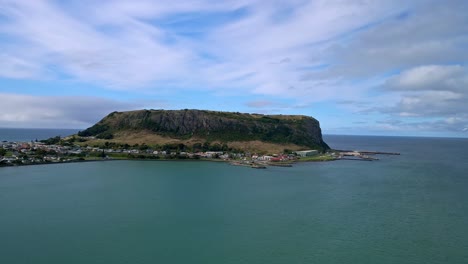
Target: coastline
(289,164)
(335,155)
(228,161)
(58,151)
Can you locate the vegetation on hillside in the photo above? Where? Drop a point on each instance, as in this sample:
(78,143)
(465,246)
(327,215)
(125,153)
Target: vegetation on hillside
(211,126)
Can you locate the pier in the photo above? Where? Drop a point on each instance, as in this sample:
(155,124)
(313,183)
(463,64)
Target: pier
(362,155)
(366,152)
(378,152)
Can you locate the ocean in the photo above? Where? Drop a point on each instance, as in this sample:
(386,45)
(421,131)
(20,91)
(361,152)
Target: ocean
(411,208)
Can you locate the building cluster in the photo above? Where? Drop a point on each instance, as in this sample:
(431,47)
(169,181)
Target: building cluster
(33,152)
(39,152)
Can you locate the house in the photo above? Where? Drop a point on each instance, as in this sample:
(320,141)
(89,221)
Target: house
(213,154)
(265,158)
(8,160)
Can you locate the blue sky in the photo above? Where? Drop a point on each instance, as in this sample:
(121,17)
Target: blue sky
(371,67)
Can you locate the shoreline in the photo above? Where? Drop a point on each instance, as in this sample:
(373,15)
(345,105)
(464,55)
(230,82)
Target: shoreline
(102,160)
(171,160)
(241,163)
(59,150)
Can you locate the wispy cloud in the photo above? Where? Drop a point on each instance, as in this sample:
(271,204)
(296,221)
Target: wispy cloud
(260,104)
(391,59)
(119,45)
(430,78)
(431,91)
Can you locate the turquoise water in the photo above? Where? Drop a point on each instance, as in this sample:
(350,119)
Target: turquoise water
(411,208)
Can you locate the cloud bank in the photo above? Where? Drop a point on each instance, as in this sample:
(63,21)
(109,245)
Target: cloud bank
(397,61)
(56,111)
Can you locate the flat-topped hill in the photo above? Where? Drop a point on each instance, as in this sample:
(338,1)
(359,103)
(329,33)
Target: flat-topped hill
(194,126)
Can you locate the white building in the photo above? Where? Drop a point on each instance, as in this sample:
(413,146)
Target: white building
(307,153)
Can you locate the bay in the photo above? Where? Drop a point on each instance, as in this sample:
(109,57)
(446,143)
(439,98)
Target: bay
(411,208)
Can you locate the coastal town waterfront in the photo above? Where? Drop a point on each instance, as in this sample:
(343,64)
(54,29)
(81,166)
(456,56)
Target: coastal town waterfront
(60,150)
(55,150)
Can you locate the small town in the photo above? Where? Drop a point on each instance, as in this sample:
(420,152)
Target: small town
(58,150)
(62,150)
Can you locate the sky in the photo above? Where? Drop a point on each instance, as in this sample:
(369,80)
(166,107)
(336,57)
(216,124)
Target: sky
(361,67)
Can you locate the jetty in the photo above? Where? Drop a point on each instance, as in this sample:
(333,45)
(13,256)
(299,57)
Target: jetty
(378,152)
(361,155)
(277,164)
(257,166)
(248,164)
(366,152)
(358,159)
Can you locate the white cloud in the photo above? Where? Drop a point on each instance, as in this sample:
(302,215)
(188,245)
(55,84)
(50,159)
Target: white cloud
(132,56)
(114,43)
(17,110)
(252,43)
(260,104)
(431,91)
(436,94)
(430,32)
(301,50)
(431,103)
(431,77)
(18,68)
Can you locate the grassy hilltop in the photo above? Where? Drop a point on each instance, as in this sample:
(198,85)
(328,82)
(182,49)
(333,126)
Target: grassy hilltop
(250,132)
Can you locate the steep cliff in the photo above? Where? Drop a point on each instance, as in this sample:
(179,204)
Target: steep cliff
(225,127)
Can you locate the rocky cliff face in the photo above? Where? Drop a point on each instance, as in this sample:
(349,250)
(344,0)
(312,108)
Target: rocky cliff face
(214,126)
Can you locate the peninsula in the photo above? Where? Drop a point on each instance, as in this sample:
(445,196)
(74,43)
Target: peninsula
(252,140)
(194,128)
(181,134)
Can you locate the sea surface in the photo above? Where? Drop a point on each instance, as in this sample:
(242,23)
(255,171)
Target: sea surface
(411,208)
(28,134)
